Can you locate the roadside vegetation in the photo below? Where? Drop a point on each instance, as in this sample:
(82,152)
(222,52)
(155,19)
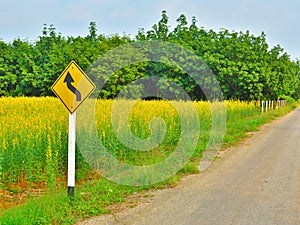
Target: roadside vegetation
(34,155)
(246,67)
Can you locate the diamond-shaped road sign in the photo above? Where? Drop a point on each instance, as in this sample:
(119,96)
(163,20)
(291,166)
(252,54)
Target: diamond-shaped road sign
(73,87)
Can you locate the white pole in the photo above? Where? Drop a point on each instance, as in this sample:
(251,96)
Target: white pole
(272,104)
(71,154)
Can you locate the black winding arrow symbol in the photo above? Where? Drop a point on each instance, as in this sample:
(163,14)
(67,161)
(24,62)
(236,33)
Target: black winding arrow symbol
(69,79)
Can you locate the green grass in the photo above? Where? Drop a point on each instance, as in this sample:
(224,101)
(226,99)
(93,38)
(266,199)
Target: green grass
(93,192)
(57,208)
(237,129)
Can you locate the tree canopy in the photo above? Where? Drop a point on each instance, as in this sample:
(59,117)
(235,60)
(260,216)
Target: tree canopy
(246,67)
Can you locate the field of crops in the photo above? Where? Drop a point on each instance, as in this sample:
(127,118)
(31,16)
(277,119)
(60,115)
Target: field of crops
(34,141)
(33,135)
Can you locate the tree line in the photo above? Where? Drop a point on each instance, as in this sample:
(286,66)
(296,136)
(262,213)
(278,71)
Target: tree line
(246,67)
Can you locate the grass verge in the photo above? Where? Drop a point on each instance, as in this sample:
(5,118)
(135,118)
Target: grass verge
(93,196)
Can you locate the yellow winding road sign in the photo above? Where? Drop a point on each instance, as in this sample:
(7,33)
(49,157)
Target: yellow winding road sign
(73,87)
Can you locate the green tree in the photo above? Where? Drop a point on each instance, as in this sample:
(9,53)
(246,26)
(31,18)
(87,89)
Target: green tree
(243,64)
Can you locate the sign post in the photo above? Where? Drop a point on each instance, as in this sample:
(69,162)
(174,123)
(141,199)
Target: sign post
(72,87)
(71,154)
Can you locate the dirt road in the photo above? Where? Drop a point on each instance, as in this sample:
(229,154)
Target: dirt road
(255,183)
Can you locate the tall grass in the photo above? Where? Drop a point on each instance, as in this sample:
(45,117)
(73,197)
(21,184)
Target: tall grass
(33,150)
(33,135)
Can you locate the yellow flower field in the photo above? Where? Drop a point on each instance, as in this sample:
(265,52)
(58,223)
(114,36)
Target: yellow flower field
(33,134)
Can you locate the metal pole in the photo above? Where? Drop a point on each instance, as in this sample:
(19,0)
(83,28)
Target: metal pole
(71,154)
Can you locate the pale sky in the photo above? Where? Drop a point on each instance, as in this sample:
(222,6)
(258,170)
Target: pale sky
(280,20)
